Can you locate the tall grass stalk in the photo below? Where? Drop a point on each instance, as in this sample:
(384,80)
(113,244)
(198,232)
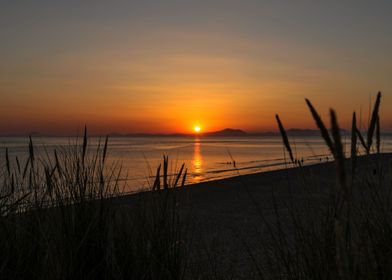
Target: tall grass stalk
(353,147)
(285,138)
(361,139)
(60,218)
(344,236)
(170,181)
(321,126)
(373,122)
(378,135)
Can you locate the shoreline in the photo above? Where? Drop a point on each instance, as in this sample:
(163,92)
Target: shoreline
(241,186)
(323,169)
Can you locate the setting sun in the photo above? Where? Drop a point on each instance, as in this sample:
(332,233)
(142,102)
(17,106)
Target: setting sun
(197,129)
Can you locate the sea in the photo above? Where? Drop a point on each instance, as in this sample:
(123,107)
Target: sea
(205,158)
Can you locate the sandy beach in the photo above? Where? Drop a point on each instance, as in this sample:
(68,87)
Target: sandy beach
(225,217)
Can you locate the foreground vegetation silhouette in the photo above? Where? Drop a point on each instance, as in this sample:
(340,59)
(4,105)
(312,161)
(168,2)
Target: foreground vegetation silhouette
(59,220)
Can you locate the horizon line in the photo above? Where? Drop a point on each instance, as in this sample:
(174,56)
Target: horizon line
(310,131)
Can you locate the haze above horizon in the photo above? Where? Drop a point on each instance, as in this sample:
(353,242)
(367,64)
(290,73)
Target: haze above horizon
(171,66)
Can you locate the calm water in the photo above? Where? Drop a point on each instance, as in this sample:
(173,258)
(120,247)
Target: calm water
(205,158)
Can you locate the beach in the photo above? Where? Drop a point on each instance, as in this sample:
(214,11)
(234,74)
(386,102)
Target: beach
(226,218)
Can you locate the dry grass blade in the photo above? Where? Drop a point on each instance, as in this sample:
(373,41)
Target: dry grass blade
(378,135)
(157,182)
(321,126)
(353,146)
(105,148)
(361,139)
(284,137)
(59,169)
(12,184)
(184,178)
(165,171)
(7,160)
(373,122)
(17,164)
(84,144)
(48,180)
(338,153)
(26,167)
(179,175)
(342,201)
(31,152)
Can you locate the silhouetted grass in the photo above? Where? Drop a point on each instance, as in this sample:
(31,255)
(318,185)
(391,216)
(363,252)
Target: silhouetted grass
(285,138)
(373,123)
(321,126)
(378,135)
(353,147)
(60,218)
(344,236)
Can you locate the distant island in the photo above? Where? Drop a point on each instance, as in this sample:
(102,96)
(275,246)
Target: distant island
(229,132)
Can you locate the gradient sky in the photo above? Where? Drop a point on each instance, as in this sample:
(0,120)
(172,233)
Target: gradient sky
(165,66)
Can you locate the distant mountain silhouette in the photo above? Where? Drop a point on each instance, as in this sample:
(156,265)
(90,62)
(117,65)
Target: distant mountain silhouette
(296,132)
(227,132)
(230,132)
(291,132)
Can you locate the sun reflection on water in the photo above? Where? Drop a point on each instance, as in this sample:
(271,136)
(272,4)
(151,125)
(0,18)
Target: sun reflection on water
(197,161)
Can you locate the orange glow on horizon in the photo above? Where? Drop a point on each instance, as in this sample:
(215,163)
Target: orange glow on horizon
(121,76)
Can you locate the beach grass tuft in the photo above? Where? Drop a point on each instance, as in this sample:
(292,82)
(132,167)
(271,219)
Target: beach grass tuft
(373,122)
(347,235)
(320,124)
(60,220)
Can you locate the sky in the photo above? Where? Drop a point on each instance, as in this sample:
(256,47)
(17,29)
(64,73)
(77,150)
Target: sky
(166,66)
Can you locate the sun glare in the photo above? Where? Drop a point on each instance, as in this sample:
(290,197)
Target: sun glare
(197,129)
